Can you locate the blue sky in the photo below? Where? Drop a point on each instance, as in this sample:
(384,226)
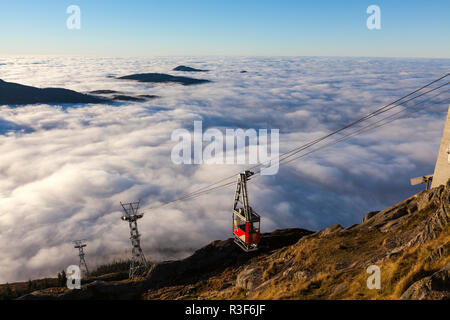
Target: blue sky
(212,27)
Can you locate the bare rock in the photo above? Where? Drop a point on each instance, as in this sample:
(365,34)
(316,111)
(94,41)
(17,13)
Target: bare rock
(331,229)
(434,287)
(431,228)
(341,287)
(438,253)
(250,278)
(302,275)
(369,215)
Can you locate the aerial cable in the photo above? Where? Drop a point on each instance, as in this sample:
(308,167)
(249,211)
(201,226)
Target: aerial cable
(215,186)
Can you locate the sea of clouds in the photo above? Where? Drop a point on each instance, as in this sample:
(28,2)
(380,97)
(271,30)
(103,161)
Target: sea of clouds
(65,169)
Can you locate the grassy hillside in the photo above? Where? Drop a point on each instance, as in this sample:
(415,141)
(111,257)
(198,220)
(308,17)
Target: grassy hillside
(409,242)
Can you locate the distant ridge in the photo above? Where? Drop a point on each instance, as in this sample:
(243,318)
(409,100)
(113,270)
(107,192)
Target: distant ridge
(17,94)
(118,96)
(188,69)
(163,78)
(103,92)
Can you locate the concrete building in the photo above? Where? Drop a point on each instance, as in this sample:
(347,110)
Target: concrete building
(442,169)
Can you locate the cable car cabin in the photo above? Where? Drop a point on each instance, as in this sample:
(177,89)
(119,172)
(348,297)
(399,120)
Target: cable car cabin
(246,222)
(246,232)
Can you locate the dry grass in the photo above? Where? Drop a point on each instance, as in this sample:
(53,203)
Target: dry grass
(334,266)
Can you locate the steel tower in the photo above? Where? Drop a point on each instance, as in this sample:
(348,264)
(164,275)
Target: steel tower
(139,264)
(80,245)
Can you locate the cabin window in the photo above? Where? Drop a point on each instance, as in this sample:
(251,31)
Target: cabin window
(239,222)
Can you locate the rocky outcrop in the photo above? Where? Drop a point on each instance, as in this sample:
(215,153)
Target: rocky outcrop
(369,215)
(434,287)
(436,200)
(433,206)
(250,278)
(389,218)
(330,230)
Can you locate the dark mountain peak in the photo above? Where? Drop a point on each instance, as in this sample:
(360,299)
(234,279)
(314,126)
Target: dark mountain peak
(17,94)
(163,78)
(188,69)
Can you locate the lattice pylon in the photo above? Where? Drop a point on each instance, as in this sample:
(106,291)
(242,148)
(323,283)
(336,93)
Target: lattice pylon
(80,245)
(138,265)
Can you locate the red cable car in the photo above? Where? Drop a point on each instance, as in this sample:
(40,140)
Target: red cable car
(246,222)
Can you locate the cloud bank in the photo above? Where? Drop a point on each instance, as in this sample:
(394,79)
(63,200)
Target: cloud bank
(65,169)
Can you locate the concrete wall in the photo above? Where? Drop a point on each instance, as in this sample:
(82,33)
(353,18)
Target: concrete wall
(442,170)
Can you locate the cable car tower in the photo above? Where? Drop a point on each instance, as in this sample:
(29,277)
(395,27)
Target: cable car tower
(139,264)
(80,245)
(246,222)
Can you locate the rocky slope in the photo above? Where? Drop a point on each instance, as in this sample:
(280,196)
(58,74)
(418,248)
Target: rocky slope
(409,242)
(205,263)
